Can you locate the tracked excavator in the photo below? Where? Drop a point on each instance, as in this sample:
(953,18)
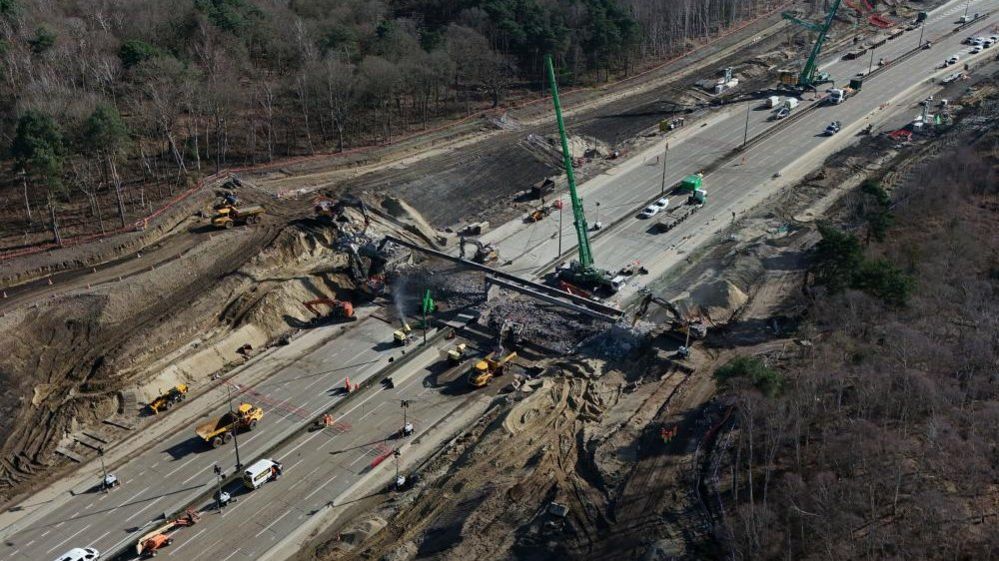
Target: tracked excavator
(690,329)
(338,310)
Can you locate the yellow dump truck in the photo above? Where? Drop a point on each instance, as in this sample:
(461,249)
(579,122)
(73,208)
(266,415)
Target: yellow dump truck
(218,431)
(228,216)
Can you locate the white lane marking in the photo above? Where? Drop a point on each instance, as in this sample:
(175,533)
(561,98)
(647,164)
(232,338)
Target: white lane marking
(273,522)
(80,531)
(301,480)
(320,488)
(373,409)
(191,539)
(231,554)
(151,503)
(248,440)
(45,533)
(359,458)
(181,466)
(340,418)
(93,543)
(128,500)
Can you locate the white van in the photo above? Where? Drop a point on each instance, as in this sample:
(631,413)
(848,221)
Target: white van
(80,554)
(260,472)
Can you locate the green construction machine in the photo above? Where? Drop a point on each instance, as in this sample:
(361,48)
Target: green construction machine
(581,272)
(810,77)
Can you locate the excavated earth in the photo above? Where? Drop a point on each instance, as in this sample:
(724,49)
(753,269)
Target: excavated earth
(100,351)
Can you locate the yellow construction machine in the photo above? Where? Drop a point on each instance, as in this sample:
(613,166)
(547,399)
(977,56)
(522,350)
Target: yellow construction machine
(401,335)
(218,431)
(487,368)
(168,399)
(455,355)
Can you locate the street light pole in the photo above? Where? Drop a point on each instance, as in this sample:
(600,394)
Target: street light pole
(966,7)
(218,481)
(560,228)
(871,65)
(104,482)
(922,27)
(235,440)
(745,134)
(662,187)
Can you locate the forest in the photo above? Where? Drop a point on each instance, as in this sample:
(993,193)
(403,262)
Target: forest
(878,440)
(109,106)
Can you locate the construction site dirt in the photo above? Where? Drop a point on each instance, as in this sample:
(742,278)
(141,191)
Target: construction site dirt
(610,455)
(573,464)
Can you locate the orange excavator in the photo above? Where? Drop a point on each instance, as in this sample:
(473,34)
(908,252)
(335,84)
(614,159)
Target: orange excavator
(339,310)
(161,537)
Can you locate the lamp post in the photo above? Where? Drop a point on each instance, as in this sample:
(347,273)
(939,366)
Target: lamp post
(922,27)
(745,134)
(662,186)
(871,65)
(218,482)
(966,7)
(104,482)
(235,440)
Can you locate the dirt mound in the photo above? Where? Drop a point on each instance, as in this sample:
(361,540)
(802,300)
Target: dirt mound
(71,356)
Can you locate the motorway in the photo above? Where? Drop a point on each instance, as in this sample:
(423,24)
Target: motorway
(324,464)
(172,473)
(743,181)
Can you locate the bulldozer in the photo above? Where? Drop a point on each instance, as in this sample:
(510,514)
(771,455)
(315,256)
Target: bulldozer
(487,369)
(218,431)
(484,252)
(339,310)
(167,400)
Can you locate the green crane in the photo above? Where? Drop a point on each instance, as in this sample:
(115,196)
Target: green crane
(810,76)
(583,271)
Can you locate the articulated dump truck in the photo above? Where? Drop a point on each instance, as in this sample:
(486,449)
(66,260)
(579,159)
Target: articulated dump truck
(218,431)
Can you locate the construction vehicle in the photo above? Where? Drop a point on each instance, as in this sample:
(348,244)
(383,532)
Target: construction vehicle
(484,252)
(339,310)
(542,212)
(159,538)
(581,272)
(839,95)
(229,216)
(455,355)
(401,336)
(487,369)
(167,400)
(810,76)
(219,430)
(682,325)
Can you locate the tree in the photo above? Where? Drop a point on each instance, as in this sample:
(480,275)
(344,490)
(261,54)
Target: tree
(836,256)
(38,152)
(133,52)
(42,41)
(105,134)
(882,279)
(767,380)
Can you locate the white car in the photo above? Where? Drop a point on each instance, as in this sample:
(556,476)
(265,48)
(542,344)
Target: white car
(80,554)
(952,60)
(662,203)
(650,211)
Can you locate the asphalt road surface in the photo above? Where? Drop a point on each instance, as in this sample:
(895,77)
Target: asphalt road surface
(739,183)
(171,474)
(320,465)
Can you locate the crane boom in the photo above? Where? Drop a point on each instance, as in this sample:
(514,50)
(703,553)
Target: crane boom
(579,219)
(807,77)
